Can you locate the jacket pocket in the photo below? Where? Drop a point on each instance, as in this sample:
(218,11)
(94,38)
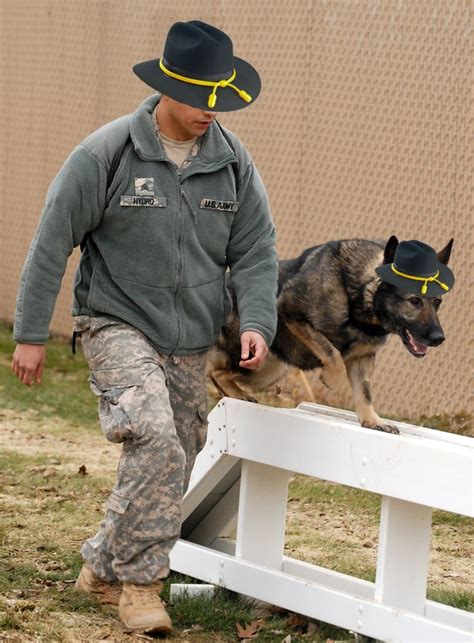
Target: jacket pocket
(227,300)
(205,308)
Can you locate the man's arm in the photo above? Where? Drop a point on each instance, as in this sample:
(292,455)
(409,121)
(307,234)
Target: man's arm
(253,267)
(73,207)
(254,349)
(28,363)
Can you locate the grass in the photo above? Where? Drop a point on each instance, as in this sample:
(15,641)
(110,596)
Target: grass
(221,613)
(460,423)
(56,471)
(324,494)
(64,393)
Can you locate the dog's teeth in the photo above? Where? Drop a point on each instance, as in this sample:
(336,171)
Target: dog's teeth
(418,347)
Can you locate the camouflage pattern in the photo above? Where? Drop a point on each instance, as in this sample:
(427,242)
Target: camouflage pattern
(156,406)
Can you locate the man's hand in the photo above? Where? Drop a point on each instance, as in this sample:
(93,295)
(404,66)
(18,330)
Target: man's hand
(28,363)
(254,349)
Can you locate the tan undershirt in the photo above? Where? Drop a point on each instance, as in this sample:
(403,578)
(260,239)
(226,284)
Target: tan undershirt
(177,151)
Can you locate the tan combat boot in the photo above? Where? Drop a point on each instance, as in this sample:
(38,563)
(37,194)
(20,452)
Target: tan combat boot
(141,609)
(104,592)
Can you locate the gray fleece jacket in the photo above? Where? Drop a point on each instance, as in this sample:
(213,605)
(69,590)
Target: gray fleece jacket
(158,242)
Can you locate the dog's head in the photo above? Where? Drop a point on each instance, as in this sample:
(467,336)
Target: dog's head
(414,318)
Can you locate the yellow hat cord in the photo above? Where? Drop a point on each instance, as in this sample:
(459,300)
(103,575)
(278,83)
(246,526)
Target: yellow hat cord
(424,287)
(211,101)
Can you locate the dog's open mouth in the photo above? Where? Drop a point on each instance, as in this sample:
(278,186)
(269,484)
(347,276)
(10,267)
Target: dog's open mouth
(416,348)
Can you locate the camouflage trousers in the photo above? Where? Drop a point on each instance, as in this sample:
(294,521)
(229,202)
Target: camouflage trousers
(156,406)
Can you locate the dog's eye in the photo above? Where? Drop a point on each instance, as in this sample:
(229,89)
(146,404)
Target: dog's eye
(437,303)
(415,301)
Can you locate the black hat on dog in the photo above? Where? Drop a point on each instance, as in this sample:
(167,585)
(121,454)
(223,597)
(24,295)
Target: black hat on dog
(416,269)
(198,68)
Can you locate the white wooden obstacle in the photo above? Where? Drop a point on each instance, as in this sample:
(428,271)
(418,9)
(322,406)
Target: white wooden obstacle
(240,485)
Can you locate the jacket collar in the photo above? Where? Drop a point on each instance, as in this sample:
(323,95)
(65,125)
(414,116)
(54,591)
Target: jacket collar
(214,149)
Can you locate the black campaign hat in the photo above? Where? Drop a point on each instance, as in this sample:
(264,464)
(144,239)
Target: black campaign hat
(416,269)
(198,68)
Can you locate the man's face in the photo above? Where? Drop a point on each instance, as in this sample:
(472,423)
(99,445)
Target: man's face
(182,122)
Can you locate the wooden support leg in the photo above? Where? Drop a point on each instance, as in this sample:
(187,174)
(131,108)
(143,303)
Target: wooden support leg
(262,514)
(404,546)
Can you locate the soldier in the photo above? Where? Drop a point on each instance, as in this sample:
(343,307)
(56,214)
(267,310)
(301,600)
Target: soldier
(162,202)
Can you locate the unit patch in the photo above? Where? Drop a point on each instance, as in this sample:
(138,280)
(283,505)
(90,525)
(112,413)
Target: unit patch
(222,206)
(144,195)
(145,187)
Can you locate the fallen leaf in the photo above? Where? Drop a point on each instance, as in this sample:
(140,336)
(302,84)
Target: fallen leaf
(249,631)
(311,629)
(295,620)
(51,567)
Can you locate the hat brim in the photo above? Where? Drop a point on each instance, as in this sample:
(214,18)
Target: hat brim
(228,100)
(446,276)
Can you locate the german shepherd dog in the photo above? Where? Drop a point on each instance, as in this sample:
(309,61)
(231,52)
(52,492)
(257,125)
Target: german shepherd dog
(334,313)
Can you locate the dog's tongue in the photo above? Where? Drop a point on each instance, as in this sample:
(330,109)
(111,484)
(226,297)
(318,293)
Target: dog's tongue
(418,347)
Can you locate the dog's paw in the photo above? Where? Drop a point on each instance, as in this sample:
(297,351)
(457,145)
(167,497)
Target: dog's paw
(249,398)
(382,426)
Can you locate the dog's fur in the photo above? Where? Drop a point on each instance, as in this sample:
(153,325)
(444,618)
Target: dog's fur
(334,313)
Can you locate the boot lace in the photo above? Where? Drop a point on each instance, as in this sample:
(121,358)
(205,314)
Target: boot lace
(147,595)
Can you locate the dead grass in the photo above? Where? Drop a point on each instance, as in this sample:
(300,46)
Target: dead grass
(340,532)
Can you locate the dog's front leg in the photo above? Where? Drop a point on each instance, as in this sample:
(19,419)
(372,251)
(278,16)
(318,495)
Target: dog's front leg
(359,371)
(332,364)
(225,383)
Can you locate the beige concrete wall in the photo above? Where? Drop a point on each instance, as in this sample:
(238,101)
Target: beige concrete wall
(362,129)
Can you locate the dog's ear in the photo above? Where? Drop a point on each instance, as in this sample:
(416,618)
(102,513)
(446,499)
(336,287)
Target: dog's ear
(445,253)
(389,252)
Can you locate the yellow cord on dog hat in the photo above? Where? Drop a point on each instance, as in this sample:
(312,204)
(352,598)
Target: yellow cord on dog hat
(425,280)
(416,269)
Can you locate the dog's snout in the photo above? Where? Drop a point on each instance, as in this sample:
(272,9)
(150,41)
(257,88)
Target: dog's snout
(436,338)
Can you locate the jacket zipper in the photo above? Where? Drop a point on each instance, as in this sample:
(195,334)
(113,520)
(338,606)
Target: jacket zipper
(186,198)
(180,262)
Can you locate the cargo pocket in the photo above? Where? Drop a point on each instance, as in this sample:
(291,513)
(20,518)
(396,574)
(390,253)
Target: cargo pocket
(116,389)
(117,503)
(117,518)
(158,523)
